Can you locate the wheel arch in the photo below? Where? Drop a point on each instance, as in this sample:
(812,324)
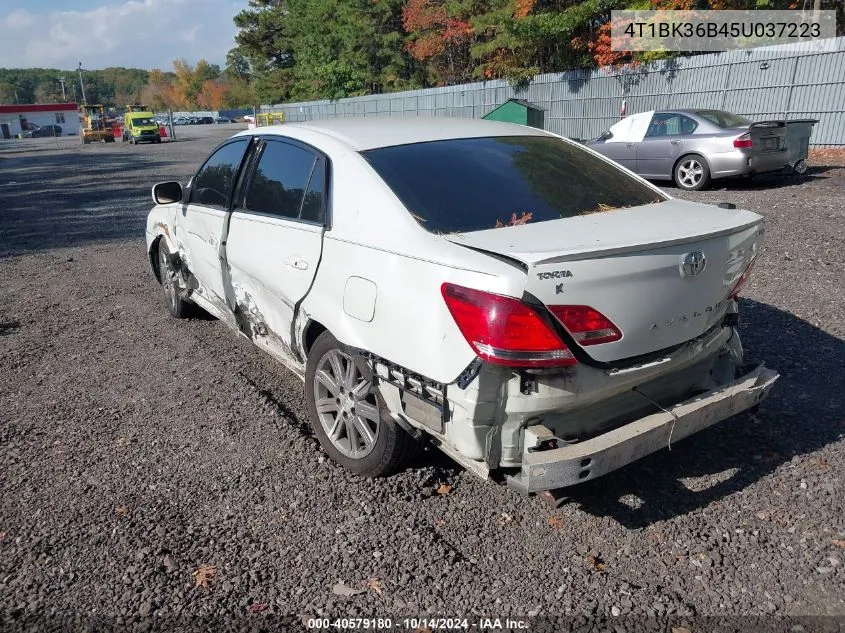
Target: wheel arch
(310,333)
(152,251)
(151,256)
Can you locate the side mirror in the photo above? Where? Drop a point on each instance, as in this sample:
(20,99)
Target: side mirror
(167,192)
(606,135)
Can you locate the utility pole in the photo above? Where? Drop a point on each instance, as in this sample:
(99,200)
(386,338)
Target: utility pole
(62,81)
(82,85)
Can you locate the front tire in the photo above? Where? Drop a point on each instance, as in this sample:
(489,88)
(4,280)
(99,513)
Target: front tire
(176,304)
(691,173)
(347,413)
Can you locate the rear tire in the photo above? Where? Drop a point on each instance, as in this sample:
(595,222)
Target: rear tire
(178,306)
(691,173)
(351,422)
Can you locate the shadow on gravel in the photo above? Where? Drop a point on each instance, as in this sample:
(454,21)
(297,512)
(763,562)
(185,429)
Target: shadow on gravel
(804,412)
(7,327)
(71,198)
(769,181)
(761,182)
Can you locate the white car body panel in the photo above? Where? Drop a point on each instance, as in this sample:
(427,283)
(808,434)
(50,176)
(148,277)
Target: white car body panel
(201,238)
(272,263)
(373,278)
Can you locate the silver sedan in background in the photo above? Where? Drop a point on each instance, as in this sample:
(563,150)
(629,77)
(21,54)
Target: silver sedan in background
(693,147)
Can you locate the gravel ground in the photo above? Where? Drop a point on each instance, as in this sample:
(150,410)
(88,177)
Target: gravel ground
(138,449)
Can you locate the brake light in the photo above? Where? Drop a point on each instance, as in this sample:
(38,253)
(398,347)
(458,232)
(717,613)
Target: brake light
(587,325)
(503,330)
(743,278)
(743,141)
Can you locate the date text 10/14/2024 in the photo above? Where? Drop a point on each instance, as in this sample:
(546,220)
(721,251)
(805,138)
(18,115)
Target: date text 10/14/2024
(416,624)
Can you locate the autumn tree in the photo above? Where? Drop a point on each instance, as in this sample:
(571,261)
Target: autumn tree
(440,35)
(212,95)
(162,92)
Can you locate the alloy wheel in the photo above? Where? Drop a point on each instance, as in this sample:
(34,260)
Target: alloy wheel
(690,173)
(346,405)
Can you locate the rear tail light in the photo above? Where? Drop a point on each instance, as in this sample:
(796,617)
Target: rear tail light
(743,278)
(587,325)
(743,141)
(503,330)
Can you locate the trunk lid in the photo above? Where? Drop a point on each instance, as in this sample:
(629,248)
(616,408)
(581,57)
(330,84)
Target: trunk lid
(629,265)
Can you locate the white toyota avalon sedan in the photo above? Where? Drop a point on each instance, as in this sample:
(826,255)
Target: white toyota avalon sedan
(520,300)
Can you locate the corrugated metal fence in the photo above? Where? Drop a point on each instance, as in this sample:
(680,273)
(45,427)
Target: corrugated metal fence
(771,82)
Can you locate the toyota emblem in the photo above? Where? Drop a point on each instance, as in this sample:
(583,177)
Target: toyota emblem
(693,263)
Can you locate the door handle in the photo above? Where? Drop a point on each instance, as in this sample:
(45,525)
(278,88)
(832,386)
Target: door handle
(629,144)
(296,262)
(675,142)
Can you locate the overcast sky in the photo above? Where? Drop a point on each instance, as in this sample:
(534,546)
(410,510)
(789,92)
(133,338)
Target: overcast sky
(100,33)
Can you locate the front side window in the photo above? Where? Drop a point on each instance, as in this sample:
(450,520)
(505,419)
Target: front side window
(278,185)
(213,184)
(671,124)
(463,185)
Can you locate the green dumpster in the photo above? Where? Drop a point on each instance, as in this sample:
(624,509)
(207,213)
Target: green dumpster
(517,111)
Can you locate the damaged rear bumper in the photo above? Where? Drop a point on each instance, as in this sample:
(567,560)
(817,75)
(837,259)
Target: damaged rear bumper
(575,463)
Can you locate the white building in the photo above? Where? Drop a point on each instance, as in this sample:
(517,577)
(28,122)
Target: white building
(16,118)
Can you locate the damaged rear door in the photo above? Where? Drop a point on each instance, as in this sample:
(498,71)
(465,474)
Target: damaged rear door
(275,239)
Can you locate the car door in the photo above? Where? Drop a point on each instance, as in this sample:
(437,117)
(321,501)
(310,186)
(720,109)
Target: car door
(663,144)
(200,224)
(625,137)
(275,238)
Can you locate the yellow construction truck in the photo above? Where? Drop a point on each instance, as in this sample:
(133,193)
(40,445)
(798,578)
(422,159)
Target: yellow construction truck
(139,125)
(95,126)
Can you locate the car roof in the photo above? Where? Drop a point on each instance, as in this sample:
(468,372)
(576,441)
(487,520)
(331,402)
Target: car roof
(362,134)
(684,110)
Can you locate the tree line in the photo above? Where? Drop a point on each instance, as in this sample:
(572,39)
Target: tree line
(298,50)
(294,50)
(202,86)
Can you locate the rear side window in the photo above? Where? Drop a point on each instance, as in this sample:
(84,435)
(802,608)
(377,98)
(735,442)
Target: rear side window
(212,186)
(723,119)
(463,185)
(278,185)
(671,124)
(314,203)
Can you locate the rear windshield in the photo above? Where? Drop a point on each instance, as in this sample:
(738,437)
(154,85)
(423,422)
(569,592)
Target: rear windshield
(463,185)
(723,119)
